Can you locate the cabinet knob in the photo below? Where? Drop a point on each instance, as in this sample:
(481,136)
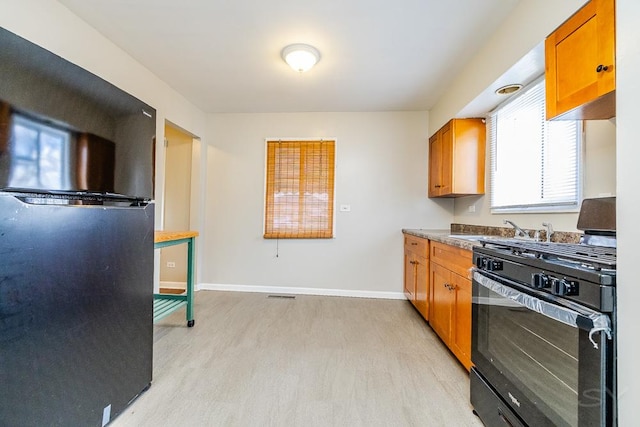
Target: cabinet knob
(601,68)
(437,186)
(414,244)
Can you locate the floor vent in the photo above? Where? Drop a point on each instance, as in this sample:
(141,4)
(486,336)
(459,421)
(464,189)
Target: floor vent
(282,296)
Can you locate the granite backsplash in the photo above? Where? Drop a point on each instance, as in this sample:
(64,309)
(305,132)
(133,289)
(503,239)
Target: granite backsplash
(557,236)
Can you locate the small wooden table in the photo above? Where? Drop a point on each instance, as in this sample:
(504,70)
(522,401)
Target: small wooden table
(165,304)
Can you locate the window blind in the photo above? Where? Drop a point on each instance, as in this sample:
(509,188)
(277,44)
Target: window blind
(535,164)
(299,189)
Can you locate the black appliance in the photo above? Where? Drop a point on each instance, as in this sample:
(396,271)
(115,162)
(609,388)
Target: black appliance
(76,242)
(543,330)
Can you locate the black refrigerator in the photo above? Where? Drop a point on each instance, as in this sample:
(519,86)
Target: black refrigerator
(76,242)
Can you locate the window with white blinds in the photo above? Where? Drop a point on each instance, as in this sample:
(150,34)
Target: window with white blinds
(535,164)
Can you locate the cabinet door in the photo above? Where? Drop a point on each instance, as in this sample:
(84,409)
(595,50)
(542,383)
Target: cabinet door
(422,286)
(460,342)
(409,275)
(466,174)
(456,159)
(446,162)
(435,164)
(580,63)
(441,301)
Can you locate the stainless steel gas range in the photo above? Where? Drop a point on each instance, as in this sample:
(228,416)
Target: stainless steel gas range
(543,332)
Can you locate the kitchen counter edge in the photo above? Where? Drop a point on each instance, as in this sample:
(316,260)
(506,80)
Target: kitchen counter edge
(441,236)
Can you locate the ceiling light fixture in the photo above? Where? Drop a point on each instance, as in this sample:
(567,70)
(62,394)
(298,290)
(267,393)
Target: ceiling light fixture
(301,57)
(508,89)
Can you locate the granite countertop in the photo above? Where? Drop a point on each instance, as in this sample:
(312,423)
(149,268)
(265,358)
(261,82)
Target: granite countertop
(444,236)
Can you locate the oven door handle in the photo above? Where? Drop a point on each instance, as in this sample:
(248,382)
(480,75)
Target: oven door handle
(582,318)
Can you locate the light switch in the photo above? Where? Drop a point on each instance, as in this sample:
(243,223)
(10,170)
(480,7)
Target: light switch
(345,208)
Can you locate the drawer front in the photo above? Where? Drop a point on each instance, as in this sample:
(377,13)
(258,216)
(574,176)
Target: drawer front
(416,245)
(452,258)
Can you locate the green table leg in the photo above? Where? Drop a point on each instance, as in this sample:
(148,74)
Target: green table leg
(190,278)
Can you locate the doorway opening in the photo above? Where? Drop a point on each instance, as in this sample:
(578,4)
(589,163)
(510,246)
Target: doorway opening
(180,181)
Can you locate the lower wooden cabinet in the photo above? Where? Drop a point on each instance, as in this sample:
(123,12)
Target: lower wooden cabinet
(416,273)
(450,299)
(442,301)
(422,287)
(409,275)
(437,282)
(460,338)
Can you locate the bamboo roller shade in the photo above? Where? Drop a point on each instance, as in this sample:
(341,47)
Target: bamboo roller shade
(299,190)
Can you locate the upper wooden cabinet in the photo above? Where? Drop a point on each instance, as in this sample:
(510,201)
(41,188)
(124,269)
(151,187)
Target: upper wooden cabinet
(580,72)
(456,159)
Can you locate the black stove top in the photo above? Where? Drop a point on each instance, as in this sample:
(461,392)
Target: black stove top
(593,257)
(584,274)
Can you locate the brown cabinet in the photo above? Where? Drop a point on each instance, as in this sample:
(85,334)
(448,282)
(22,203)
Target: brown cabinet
(450,298)
(456,159)
(580,72)
(416,273)
(442,301)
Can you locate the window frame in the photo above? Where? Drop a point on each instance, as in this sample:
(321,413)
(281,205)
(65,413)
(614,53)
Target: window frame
(328,233)
(550,207)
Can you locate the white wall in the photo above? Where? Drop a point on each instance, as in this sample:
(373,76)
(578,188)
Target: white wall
(528,25)
(628,206)
(599,170)
(381,170)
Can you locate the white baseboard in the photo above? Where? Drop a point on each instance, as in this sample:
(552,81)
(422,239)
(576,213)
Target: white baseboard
(302,291)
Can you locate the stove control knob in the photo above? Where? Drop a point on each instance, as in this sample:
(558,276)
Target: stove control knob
(494,265)
(570,286)
(540,281)
(488,264)
(564,287)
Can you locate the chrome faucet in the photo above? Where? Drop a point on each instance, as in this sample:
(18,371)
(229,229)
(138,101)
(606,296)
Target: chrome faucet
(519,231)
(549,230)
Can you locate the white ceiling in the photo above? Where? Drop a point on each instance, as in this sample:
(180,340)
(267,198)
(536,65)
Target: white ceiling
(224,55)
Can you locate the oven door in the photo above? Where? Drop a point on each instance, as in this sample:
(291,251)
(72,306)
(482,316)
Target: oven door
(551,364)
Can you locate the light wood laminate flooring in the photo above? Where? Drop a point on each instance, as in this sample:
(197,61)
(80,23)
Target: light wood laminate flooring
(251,360)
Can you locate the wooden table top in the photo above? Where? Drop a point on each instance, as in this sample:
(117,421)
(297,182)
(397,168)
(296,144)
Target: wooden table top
(166,236)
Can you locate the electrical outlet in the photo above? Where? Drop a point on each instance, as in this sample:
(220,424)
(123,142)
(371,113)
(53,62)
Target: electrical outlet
(345,208)
(171,264)
(472,208)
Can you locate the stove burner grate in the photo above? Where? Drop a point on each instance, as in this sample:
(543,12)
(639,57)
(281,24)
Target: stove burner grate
(596,257)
